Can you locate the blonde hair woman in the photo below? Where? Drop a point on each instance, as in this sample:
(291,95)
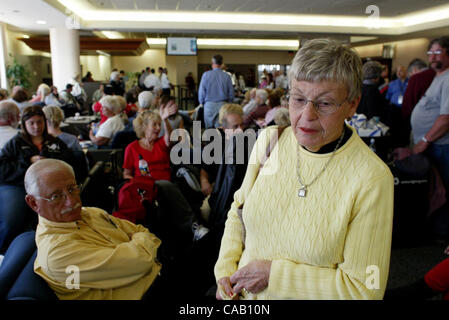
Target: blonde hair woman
(151,148)
(42,91)
(55,116)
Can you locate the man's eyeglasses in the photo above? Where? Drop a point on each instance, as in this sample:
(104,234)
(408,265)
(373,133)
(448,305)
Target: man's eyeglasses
(62,196)
(436,52)
(322,106)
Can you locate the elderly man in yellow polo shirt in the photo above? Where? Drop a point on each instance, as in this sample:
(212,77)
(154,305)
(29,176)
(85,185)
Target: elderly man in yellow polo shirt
(85,253)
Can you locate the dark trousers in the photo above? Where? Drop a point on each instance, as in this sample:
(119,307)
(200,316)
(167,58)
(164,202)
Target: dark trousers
(439,154)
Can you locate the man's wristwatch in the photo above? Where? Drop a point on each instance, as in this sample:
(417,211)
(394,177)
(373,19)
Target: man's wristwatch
(425,140)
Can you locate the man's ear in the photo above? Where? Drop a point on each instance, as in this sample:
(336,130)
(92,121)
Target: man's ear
(31,201)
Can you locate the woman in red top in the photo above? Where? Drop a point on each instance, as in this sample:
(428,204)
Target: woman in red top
(150,155)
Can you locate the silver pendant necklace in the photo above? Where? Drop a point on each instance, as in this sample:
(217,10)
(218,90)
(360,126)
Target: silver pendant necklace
(302,192)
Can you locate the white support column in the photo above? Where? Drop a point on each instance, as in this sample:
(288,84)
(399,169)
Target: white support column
(65,55)
(3,57)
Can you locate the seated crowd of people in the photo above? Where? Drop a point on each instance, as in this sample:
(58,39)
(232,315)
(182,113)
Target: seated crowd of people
(34,130)
(37,157)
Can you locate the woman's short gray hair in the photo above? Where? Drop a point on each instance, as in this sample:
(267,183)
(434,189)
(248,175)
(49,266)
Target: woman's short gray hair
(111,103)
(262,94)
(146,99)
(282,117)
(54,115)
(328,60)
(141,122)
(372,70)
(40,169)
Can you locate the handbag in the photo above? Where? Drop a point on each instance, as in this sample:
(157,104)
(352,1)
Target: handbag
(267,154)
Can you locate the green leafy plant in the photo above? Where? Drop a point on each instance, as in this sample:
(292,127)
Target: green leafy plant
(133,79)
(18,75)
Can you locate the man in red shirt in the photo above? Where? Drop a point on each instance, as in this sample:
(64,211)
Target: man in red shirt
(420,79)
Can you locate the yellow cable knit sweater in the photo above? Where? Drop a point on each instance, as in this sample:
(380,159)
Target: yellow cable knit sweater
(333,244)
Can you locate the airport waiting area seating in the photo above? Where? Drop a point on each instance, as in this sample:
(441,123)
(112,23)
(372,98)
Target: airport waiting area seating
(17,278)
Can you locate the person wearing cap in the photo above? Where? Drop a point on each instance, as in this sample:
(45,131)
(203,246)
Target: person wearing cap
(67,97)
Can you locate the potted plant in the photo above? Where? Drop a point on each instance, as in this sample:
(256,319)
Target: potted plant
(18,75)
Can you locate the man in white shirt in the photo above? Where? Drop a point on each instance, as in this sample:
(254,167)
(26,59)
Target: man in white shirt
(165,83)
(9,119)
(281,80)
(152,81)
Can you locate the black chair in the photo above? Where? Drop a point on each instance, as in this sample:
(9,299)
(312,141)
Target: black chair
(199,115)
(122,139)
(80,165)
(17,278)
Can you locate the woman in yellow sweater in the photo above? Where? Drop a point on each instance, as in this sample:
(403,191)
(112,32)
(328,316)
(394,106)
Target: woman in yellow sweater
(318,215)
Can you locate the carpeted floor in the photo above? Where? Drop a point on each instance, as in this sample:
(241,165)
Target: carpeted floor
(410,264)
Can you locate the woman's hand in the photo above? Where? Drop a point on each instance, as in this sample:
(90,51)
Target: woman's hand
(224,287)
(446,251)
(253,277)
(168,110)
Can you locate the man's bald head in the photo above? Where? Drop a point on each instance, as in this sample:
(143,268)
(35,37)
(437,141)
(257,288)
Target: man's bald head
(52,191)
(9,114)
(40,169)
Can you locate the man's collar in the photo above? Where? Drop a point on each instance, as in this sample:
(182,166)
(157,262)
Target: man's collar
(67,225)
(442,72)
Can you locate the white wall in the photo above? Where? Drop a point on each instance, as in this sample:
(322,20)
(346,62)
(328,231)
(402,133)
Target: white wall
(247,56)
(35,61)
(152,58)
(99,66)
(405,51)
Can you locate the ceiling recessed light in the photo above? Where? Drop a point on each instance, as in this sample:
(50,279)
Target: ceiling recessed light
(16,11)
(41,22)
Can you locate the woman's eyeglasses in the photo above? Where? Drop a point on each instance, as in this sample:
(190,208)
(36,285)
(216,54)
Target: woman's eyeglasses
(322,106)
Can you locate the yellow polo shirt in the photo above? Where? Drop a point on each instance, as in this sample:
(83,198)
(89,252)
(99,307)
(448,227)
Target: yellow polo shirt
(111,257)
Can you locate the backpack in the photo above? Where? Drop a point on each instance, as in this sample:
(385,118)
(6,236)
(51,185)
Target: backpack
(131,197)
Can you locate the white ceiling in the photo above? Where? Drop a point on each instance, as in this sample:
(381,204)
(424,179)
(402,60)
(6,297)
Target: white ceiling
(388,8)
(22,15)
